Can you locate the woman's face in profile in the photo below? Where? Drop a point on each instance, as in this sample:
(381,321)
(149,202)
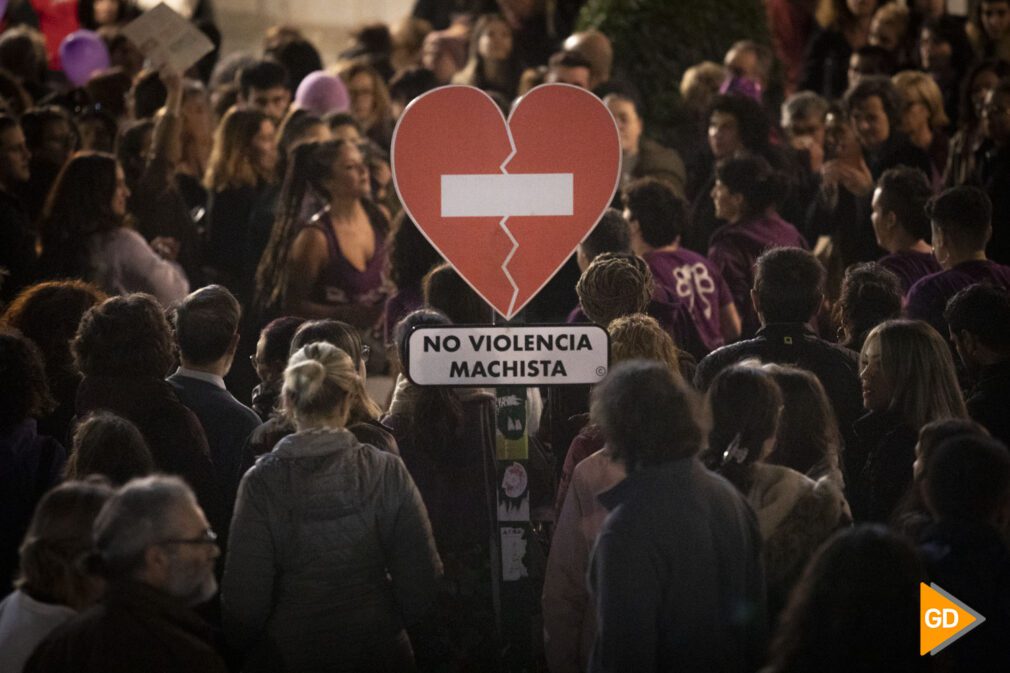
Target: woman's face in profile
(121,194)
(877,390)
(265,146)
(362,91)
(350,174)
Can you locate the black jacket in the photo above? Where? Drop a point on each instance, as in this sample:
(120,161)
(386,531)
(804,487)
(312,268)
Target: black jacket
(134,628)
(226,422)
(795,344)
(989,401)
(173,433)
(888,445)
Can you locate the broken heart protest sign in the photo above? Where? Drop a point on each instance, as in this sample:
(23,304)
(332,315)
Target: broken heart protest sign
(506,202)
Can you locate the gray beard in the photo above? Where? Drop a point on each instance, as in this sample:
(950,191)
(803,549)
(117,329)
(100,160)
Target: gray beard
(190,587)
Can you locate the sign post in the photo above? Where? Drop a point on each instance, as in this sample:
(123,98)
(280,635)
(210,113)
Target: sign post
(506,202)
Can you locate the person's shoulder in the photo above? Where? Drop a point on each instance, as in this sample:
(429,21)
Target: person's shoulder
(75,633)
(376,435)
(831,349)
(720,358)
(654,155)
(927,290)
(682,255)
(122,239)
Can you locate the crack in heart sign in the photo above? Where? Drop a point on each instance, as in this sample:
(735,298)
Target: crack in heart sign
(506,202)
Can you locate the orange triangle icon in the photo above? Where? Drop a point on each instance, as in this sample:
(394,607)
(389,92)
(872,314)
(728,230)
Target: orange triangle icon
(942,619)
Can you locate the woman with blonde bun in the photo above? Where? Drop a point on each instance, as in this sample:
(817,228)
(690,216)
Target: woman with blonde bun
(331,559)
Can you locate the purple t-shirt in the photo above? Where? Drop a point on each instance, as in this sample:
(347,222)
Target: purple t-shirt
(929,296)
(909,266)
(695,282)
(673,317)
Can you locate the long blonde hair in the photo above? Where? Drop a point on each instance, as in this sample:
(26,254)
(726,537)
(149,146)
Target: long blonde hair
(233,159)
(917,362)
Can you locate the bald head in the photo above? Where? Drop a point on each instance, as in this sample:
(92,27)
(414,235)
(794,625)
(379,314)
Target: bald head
(596,48)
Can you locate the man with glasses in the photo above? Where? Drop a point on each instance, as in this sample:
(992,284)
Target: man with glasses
(17,239)
(155,550)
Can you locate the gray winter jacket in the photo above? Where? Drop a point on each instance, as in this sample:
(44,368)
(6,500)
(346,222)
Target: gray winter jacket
(331,556)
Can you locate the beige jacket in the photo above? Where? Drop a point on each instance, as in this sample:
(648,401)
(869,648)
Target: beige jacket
(569,617)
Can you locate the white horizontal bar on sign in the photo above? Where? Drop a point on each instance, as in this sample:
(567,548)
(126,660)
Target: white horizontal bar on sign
(504,195)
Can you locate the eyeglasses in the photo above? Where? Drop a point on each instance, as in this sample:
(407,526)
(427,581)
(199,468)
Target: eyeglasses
(253,361)
(207,537)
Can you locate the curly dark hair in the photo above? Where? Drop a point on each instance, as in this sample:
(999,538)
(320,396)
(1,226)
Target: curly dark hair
(615,285)
(111,446)
(125,336)
(870,295)
(24,393)
(881,87)
(751,120)
(751,176)
(48,314)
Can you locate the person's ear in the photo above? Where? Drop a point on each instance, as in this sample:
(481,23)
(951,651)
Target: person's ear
(756,301)
(738,202)
(890,220)
(233,346)
(969,342)
(156,561)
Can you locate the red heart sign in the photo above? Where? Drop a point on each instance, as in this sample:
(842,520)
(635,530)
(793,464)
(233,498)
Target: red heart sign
(506,203)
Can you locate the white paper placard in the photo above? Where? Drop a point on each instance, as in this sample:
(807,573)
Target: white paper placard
(163,36)
(506,356)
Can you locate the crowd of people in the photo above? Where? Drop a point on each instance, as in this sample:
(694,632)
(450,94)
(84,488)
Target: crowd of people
(806,413)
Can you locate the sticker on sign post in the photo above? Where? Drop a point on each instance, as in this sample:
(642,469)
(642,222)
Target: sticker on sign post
(507,356)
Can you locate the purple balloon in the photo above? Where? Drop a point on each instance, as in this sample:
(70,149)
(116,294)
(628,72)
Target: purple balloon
(321,93)
(83,53)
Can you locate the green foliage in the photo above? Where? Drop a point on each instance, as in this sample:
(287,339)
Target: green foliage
(655,41)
